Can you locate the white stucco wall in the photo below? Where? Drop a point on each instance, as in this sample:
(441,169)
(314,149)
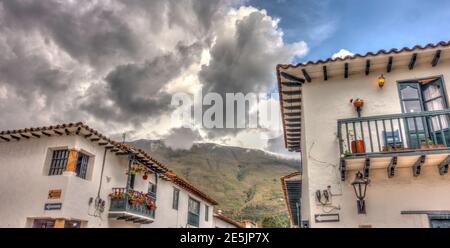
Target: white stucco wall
(25,183)
(219,223)
(324,102)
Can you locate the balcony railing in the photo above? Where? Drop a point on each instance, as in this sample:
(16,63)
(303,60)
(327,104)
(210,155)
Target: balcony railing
(423,132)
(132,206)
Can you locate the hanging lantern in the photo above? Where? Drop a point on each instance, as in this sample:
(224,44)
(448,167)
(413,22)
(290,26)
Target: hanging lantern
(145,176)
(360,186)
(381,81)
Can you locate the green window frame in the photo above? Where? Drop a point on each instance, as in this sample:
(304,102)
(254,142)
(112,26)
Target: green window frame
(206,213)
(193,212)
(175,198)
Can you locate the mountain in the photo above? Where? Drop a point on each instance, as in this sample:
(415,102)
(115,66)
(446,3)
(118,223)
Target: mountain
(245,182)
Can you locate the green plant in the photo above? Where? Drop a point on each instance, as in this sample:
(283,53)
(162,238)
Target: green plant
(427,142)
(347,153)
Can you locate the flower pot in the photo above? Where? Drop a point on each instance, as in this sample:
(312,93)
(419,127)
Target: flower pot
(358,146)
(358,103)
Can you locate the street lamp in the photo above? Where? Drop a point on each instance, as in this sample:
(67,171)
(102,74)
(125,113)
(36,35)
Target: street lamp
(360,186)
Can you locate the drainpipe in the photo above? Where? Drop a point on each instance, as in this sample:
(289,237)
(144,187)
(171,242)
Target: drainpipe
(298,214)
(101,174)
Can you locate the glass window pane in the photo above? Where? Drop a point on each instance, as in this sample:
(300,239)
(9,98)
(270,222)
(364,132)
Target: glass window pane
(409,93)
(194,206)
(431,91)
(412,106)
(436,104)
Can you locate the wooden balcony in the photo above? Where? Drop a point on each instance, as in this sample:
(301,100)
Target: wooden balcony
(393,141)
(124,207)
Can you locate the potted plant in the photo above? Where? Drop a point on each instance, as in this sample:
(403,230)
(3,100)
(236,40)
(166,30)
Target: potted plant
(347,153)
(357,146)
(358,103)
(429,144)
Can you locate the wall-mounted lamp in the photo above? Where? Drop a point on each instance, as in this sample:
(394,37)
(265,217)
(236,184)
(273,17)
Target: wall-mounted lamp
(360,186)
(381,81)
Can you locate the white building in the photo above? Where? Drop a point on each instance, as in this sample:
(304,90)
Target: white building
(291,185)
(223,221)
(400,144)
(72,176)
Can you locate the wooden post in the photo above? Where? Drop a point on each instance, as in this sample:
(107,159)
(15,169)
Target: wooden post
(72,161)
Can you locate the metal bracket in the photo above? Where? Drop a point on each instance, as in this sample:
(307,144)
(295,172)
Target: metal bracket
(367,168)
(391,167)
(418,165)
(443,166)
(342,169)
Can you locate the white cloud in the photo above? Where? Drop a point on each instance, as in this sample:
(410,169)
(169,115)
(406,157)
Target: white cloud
(342,54)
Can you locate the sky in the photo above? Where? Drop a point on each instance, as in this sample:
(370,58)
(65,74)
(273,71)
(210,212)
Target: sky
(116,64)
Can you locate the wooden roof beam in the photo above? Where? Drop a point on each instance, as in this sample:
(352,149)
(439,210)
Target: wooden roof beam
(58,132)
(306,75)
(292,77)
(25,136)
(389,65)
(46,133)
(14,137)
(412,62)
(4,138)
(346,70)
(36,135)
(367,67)
(436,58)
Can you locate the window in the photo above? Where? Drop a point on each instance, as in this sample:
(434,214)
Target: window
(82,164)
(132,178)
(152,190)
(175,198)
(58,162)
(193,212)
(206,212)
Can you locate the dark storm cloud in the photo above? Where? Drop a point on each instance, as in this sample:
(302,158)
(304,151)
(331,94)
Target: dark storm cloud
(111,44)
(135,89)
(109,63)
(93,34)
(181,138)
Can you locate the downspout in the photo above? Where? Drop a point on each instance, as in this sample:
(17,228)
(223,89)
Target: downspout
(101,174)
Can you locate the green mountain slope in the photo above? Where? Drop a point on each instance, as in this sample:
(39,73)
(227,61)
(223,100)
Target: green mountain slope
(245,182)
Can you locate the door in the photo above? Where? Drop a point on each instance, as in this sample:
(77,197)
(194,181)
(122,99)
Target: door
(425,95)
(411,98)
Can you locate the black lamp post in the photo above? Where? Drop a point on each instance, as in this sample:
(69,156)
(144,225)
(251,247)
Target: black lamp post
(360,186)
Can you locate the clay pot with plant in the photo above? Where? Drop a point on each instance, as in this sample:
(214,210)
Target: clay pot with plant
(429,144)
(357,146)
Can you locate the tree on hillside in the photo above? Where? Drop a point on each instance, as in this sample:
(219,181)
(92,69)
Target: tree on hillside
(277,221)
